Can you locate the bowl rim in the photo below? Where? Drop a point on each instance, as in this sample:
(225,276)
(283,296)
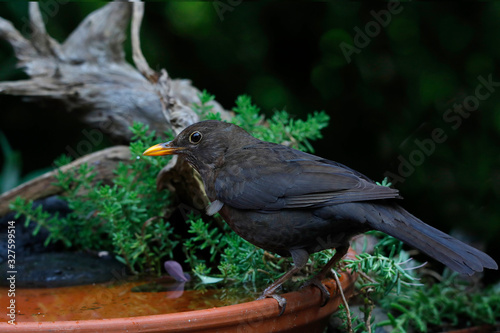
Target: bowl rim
(248,313)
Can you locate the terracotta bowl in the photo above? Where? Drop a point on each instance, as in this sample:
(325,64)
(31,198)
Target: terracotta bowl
(303,314)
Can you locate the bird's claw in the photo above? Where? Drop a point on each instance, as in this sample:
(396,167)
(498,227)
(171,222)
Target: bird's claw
(325,294)
(281,301)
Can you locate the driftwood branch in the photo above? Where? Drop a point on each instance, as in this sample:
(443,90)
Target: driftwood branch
(104,163)
(139,59)
(89,76)
(88,73)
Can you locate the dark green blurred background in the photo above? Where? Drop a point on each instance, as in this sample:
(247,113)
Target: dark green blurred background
(287,56)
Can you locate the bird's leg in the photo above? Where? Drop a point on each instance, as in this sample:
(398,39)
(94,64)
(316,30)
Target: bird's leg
(340,252)
(300,258)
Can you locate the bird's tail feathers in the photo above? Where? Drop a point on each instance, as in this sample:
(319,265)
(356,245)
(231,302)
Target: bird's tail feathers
(397,222)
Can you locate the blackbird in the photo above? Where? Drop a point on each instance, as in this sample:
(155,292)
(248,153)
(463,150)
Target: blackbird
(293,203)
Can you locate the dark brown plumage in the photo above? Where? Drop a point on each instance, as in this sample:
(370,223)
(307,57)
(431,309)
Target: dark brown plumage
(294,204)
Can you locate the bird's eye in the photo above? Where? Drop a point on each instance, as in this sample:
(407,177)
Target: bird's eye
(195,137)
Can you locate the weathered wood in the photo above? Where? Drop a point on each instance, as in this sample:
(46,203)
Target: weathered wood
(104,161)
(88,74)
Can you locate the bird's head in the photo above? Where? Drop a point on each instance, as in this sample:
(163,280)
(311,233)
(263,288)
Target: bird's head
(204,144)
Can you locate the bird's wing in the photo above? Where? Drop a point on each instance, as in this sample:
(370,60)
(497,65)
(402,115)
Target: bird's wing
(275,177)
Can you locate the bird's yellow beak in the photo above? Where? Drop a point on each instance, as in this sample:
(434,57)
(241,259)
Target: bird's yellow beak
(161,149)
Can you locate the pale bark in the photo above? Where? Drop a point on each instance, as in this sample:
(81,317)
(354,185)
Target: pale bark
(89,76)
(88,73)
(104,163)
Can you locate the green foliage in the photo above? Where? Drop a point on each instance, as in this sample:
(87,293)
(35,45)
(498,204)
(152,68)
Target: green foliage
(44,219)
(72,230)
(389,271)
(204,236)
(385,182)
(243,262)
(204,109)
(380,273)
(237,261)
(128,210)
(247,114)
(295,133)
(280,128)
(447,303)
(389,282)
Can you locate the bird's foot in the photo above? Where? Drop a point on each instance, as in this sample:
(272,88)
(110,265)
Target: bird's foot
(280,299)
(325,294)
